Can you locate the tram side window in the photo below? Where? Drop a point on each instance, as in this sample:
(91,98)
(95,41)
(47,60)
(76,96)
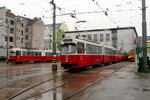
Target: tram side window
(99,50)
(40,54)
(58,53)
(80,48)
(93,51)
(119,53)
(50,54)
(28,53)
(88,49)
(18,53)
(115,52)
(47,53)
(123,53)
(32,53)
(111,52)
(108,51)
(36,53)
(24,53)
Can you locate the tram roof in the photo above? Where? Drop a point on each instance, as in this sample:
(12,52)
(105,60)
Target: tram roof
(70,40)
(20,49)
(89,42)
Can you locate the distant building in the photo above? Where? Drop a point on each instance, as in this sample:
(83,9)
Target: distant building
(2,26)
(121,38)
(20,32)
(35,34)
(48,36)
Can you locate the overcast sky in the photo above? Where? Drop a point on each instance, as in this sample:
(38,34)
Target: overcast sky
(122,13)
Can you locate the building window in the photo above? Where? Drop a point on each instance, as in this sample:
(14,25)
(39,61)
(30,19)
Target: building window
(22,24)
(89,37)
(11,30)
(114,31)
(11,39)
(114,44)
(101,38)
(26,45)
(83,36)
(22,40)
(6,20)
(11,22)
(10,47)
(26,37)
(107,37)
(5,38)
(21,32)
(114,38)
(114,34)
(27,30)
(95,37)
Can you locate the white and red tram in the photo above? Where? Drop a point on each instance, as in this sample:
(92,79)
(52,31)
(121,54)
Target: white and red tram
(78,53)
(18,55)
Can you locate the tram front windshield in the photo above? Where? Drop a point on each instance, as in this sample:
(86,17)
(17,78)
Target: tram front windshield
(12,53)
(69,49)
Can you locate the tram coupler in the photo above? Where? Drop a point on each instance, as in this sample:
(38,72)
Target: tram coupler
(54,63)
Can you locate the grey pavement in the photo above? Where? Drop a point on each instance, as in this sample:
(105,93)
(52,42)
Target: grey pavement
(125,84)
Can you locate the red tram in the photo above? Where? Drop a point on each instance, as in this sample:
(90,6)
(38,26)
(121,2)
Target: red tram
(18,55)
(79,53)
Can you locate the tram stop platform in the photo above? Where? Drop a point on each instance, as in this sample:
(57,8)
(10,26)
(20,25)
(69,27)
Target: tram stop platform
(124,84)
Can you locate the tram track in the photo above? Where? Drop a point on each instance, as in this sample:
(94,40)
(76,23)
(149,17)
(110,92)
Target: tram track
(21,80)
(40,83)
(74,81)
(77,92)
(12,82)
(26,67)
(28,74)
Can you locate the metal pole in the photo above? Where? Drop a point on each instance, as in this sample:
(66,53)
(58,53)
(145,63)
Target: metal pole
(77,32)
(7,44)
(122,45)
(144,34)
(54,65)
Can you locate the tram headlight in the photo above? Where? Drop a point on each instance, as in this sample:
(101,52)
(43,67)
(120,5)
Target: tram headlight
(66,59)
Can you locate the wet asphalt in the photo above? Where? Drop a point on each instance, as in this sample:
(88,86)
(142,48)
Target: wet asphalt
(125,84)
